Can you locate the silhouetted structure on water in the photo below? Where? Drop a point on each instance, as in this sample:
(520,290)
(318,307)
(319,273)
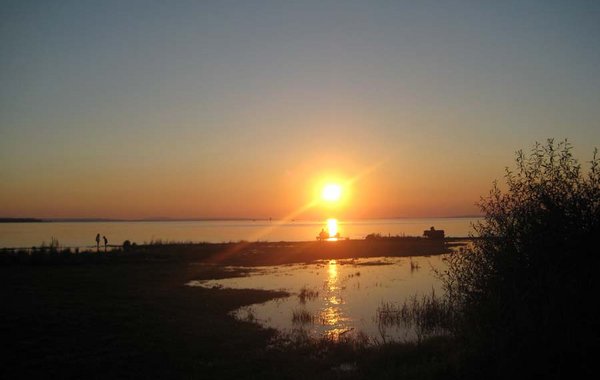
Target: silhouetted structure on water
(432,233)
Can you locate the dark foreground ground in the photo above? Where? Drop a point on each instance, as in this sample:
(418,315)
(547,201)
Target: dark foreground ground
(129,315)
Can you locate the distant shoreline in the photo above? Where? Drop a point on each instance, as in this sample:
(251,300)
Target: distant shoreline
(101,220)
(21,220)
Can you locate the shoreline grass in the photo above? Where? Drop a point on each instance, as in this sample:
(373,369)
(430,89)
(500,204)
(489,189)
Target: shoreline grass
(239,253)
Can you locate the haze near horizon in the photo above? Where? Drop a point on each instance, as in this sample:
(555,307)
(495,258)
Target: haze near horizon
(138,109)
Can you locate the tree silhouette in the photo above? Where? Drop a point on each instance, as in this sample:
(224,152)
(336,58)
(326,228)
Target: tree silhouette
(525,291)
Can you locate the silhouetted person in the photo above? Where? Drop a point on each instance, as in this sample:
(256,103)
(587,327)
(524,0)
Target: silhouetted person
(105,242)
(323,235)
(97,242)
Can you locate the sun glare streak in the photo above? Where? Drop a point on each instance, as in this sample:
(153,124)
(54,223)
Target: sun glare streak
(365,172)
(294,214)
(277,223)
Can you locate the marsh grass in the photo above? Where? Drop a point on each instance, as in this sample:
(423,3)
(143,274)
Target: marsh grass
(414,265)
(352,275)
(428,315)
(358,356)
(302,317)
(307,294)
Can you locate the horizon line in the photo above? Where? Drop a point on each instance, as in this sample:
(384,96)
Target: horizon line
(204,219)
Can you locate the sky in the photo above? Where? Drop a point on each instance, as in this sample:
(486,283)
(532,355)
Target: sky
(203,109)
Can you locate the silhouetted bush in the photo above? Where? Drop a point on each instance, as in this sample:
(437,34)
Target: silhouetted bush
(126,245)
(526,291)
(373,236)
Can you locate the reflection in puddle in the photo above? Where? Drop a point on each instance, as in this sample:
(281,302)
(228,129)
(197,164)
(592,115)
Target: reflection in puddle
(332,298)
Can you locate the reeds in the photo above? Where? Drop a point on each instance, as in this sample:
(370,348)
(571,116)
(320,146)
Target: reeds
(302,317)
(429,315)
(414,265)
(307,294)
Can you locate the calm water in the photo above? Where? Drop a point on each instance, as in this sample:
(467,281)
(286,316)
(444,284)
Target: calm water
(337,297)
(82,234)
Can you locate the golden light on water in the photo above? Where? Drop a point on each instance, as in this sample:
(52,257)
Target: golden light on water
(332,228)
(332,315)
(333,275)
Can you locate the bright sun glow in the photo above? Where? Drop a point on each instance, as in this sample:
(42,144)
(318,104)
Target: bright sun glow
(332,193)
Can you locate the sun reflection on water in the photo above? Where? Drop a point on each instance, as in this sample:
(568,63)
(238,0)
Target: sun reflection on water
(335,298)
(331,315)
(332,270)
(332,229)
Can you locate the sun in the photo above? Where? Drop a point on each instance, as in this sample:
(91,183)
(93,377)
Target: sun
(331,192)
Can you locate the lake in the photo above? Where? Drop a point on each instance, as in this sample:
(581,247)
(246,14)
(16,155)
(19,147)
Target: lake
(334,298)
(82,234)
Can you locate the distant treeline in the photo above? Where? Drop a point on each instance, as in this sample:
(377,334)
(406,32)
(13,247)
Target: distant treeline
(20,220)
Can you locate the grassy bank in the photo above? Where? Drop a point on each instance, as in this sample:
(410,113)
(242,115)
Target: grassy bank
(235,253)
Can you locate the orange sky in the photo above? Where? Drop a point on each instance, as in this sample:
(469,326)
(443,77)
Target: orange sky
(211,109)
(370,189)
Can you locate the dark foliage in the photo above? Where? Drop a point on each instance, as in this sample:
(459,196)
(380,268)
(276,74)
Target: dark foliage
(526,290)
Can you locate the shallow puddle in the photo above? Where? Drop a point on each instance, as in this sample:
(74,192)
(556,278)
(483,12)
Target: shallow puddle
(337,297)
